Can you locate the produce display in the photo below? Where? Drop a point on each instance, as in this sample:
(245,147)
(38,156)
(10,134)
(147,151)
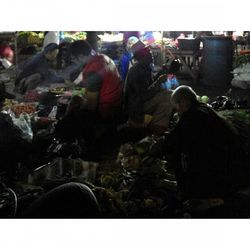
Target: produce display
(30,38)
(240,119)
(241,59)
(58,90)
(73,36)
(8,103)
(137,184)
(28,108)
(204,98)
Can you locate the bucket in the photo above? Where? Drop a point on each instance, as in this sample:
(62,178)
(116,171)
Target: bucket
(217,60)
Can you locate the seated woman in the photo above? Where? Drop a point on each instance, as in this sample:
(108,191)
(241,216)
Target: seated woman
(36,71)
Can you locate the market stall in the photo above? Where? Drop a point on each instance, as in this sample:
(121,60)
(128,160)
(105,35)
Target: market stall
(134,179)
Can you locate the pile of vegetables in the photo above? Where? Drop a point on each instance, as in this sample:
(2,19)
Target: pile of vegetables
(204,98)
(241,59)
(73,36)
(29,38)
(137,184)
(28,108)
(240,119)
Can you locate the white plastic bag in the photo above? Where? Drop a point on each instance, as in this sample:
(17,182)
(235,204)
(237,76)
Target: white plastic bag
(24,123)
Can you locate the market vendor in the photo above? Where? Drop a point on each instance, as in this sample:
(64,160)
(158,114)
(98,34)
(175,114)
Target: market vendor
(101,105)
(101,79)
(209,161)
(146,103)
(36,70)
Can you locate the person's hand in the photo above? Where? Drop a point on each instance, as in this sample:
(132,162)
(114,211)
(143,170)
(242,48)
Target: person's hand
(134,124)
(69,83)
(147,119)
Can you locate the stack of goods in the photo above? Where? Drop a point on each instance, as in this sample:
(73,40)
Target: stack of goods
(29,108)
(30,38)
(240,119)
(73,36)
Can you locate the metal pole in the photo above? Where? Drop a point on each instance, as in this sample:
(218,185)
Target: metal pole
(163,52)
(16,58)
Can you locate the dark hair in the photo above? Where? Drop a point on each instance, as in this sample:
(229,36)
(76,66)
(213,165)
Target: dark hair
(30,50)
(51,47)
(80,47)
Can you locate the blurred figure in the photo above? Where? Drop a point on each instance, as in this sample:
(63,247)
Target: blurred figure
(97,112)
(209,160)
(101,79)
(36,70)
(6,56)
(146,103)
(93,39)
(126,58)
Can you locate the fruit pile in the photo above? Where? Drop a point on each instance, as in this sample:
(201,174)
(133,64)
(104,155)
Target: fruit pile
(28,108)
(29,38)
(73,36)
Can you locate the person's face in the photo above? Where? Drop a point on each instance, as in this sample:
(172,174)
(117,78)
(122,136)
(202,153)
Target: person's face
(83,59)
(52,55)
(146,56)
(10,57)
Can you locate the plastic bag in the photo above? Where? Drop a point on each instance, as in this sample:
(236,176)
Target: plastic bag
(171,82)
(24,123)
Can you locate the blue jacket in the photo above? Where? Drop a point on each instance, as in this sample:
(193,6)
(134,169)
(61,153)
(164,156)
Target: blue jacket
(39,64)
(124,64)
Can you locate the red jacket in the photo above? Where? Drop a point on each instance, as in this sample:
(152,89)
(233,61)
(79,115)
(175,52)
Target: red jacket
(110,95)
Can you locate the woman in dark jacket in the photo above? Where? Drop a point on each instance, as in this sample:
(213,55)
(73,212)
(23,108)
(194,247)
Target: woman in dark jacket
(209,159)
